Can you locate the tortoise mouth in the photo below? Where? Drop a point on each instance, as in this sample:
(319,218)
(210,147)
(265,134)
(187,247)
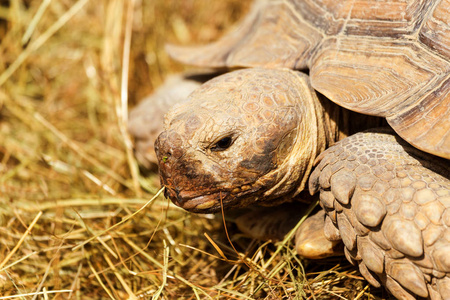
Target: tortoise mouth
(197,202)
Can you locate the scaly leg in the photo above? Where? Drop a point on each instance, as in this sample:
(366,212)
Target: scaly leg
(390,205)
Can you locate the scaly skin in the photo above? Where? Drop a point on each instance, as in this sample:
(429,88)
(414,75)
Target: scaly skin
(390,204)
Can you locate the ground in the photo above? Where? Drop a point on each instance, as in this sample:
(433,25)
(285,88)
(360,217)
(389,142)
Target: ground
(77,216)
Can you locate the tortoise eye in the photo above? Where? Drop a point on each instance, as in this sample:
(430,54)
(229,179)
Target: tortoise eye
(222,144)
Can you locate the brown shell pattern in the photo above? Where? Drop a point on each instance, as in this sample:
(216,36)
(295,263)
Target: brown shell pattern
(388,58)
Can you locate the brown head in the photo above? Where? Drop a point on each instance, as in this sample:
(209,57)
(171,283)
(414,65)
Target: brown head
(246,136)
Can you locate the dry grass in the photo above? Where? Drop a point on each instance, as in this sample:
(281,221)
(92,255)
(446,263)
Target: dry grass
(67,174)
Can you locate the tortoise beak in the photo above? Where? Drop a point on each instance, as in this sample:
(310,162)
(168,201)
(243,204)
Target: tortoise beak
(195,201)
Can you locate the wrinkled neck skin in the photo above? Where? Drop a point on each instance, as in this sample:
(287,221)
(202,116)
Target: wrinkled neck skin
(340,122)
(248,136)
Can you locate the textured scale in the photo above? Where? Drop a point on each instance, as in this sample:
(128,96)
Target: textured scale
(389,58)
(403,205)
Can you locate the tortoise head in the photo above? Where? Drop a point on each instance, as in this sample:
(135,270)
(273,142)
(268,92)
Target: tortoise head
(243,137)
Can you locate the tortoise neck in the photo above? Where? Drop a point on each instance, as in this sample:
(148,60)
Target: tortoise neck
(340,122)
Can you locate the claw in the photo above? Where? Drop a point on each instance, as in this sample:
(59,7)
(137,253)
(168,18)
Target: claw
(313,183)
(367,275)
(324,178)
(409,276)
(342,186)
(330,230)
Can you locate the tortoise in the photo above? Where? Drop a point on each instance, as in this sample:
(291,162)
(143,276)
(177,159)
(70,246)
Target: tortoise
(265,132)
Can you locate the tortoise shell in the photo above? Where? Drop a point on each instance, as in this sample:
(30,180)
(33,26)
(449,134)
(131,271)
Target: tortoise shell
(388,58)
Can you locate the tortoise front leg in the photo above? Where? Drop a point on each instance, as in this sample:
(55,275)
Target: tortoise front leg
(390,204)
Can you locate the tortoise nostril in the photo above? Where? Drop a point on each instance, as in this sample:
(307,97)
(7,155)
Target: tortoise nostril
(166,157)
(168,144)
(163,149)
